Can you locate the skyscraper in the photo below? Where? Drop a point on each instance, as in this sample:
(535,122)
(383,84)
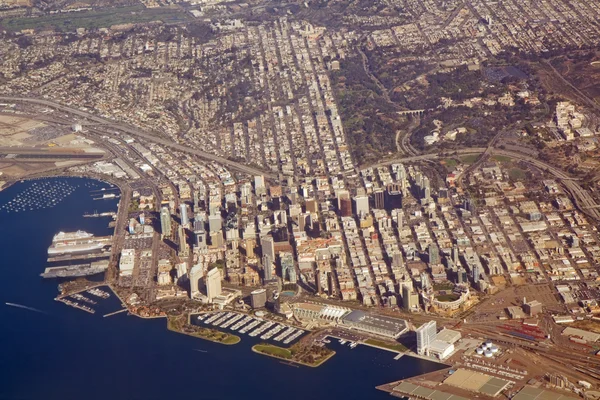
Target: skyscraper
(214,223)
(476,273)
(267,267)
(267,245)
(183,245)
(379,199)
(344,203)
(213,283)
(258,298)
(288,272)
(434,254)
(201,242)
(165,222)
(425,336)
(410,298)
(195,275)
(184,215)
(361,205)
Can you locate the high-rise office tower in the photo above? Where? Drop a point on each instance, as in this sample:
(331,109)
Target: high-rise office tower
(184,214)
(393,199)
(213,283)
(280,217)
(476,273)
(267,267)
(195,276)
(379,199)
(214,223)
(258,298)
(410,298)
(183,245)
(165,222)
(361,205)
(434,254)
(267,245)
(426,334)
(344,203)
(201,242)
(288,271)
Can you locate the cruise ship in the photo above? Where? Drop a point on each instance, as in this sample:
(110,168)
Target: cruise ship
(79,235)
(74,242)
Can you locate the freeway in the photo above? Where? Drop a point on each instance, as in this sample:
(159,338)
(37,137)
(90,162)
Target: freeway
(582,197)
(139,133)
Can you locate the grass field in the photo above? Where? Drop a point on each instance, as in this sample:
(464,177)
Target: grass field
(502,158)
(386,345)
(450,162)
(447,297)
(469,159)
(96,18)
(516,174)
(273,351)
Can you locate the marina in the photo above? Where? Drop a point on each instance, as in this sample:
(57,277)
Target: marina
(271,333)
(76,305)
(249,325)
(241,323)
(99,293)
(261,329)
(40,194)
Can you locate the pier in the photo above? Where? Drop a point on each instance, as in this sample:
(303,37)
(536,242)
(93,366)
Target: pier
(115,312)
(76,305)
(111,214)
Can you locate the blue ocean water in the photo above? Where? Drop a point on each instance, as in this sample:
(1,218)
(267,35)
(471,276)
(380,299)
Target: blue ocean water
(64,353)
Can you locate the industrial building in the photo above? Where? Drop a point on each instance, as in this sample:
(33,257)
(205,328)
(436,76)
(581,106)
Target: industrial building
(477,382)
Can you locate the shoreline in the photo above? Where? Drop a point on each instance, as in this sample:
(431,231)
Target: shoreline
(236,338)
(333,353)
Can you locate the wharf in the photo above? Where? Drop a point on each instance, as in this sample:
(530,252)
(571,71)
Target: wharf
(76,305)
(115,312)
(70,257)
(98,239)
(104,214)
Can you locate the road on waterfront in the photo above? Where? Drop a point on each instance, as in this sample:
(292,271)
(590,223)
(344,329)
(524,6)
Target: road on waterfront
(236,166)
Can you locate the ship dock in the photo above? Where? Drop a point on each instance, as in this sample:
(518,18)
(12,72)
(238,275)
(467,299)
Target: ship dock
(111,214)
(75,257)
(68,271)
(98,239)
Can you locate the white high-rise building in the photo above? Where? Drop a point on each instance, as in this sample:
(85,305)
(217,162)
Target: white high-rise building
(213,284)
(195,275)
(426,334)
(361,204)
(185,220)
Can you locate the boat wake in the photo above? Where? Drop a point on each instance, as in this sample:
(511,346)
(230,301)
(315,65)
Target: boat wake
(26,308)
(201,351)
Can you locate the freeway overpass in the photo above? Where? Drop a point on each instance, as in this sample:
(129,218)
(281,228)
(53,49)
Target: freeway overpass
(152,137)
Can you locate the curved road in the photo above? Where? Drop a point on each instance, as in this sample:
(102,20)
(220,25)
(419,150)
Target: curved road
(139,133)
